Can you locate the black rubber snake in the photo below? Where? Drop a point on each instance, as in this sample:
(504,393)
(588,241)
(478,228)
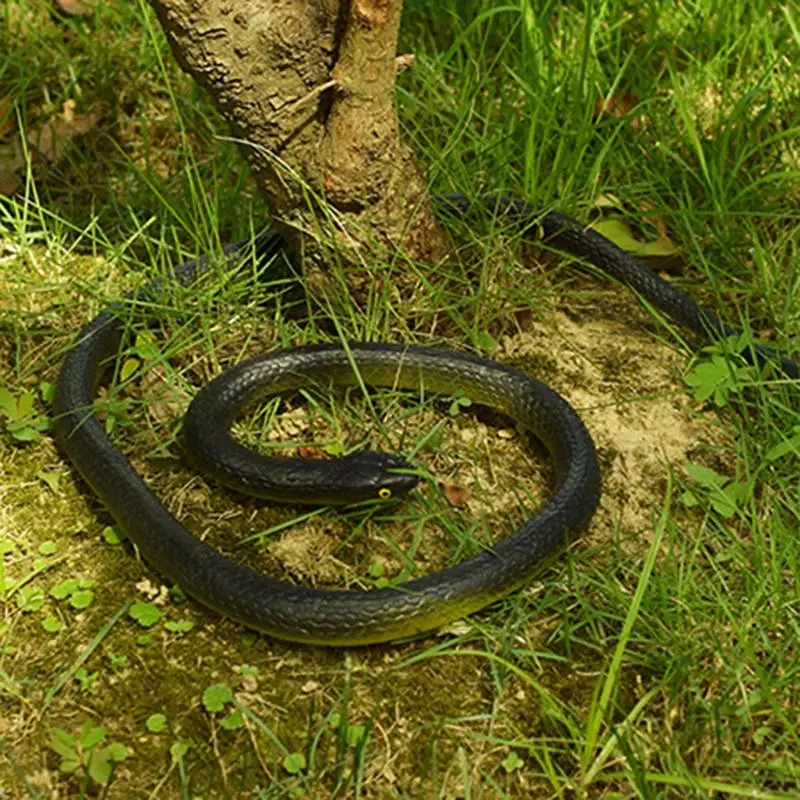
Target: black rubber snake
(355,617)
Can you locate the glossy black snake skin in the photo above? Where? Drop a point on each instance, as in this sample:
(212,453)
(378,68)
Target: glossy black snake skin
(356,617)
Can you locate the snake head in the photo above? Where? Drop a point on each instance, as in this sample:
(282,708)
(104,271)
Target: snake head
(376,476)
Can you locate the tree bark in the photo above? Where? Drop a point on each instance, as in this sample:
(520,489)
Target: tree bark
(308,88)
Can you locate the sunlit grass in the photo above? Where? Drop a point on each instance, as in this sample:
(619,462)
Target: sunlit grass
(652,660)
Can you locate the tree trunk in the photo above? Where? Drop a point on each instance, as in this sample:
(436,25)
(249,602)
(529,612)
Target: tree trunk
(308,88)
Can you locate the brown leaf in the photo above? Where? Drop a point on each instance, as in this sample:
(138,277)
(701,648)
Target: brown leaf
(9,181)
(164,401)
(52,138)
(456,495)
(74,8)
(658,221)
(6,124)
(304,451)
(404,61)
(525,318)
(12,161)
(616,105)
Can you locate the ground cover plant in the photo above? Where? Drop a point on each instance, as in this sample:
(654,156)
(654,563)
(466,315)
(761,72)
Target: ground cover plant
(657,658)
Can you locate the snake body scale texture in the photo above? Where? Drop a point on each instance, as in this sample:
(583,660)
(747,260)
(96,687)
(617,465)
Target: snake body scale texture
(334,617)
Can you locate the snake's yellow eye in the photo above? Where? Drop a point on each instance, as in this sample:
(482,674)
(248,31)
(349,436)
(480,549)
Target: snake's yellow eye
(384,493)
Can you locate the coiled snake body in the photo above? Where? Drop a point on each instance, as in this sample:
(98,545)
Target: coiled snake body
(355,617)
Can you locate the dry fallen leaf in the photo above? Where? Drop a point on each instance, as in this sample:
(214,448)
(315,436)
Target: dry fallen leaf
(9,181)
(12,160)
(524,318)
(404,61)
(164,402)
(74,8)
(456,495)
(616,105)
(305,451)
(658,221)
(6,124)
(52,138)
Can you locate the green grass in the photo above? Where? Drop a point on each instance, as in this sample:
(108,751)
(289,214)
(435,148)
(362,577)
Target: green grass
(657,658)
